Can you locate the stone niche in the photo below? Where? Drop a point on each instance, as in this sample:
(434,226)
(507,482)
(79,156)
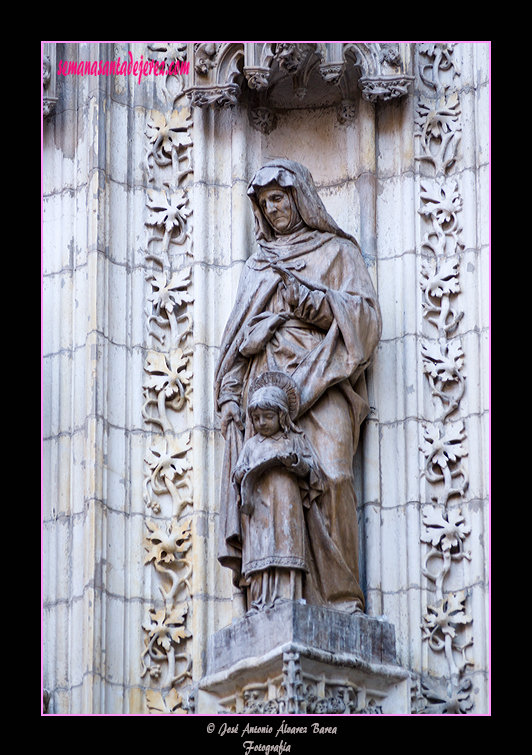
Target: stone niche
(296,658)
(313,105)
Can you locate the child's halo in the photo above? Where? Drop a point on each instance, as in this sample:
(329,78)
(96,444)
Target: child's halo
(280,380)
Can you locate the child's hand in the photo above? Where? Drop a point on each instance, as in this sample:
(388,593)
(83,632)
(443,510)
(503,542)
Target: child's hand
(238,474)
(288,459)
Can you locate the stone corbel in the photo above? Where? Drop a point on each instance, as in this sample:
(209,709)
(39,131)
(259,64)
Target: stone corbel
(332,64)
(49,79)
(381,70)
(258,59)
(215,74)
(384,87)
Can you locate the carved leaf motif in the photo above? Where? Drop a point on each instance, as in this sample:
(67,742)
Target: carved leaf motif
(168,377)
(169,51)
(168,134)
(155,625)
(172,294)
(436,123)
(175,620)
(170,704)
(163,455)
(455,356)
(451,442)
(164,628)
(443,363)
(442,282)
(178,282)
(445,532)
(444,699)
(169,212)
(442,450)
(156,364)
(165,542)
(441,202)
(448,612)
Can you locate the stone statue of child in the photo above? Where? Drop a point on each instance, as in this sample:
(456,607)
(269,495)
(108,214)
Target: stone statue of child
(277,476)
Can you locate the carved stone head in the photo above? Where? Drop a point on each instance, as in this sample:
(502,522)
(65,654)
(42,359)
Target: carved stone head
(275,391)
(279,208)
(289,186)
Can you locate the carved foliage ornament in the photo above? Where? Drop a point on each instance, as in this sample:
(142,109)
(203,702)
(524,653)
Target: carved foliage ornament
(299,692)
(166,661)
(444,439)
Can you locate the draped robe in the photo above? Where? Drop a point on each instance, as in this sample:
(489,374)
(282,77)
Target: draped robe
(324,343)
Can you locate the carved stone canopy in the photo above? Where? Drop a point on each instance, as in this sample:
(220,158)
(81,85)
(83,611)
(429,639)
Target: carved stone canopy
(270,76)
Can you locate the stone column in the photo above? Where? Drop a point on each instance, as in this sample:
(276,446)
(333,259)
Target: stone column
(95,590)
(425,447)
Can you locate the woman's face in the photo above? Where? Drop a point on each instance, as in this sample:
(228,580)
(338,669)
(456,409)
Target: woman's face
(276,205)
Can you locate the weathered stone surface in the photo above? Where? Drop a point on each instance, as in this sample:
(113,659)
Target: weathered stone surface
(298,658)
(335,632)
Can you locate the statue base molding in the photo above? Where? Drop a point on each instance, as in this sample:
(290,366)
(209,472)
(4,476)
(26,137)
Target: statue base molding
(300,659)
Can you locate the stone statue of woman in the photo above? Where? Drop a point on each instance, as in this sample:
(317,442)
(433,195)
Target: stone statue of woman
(305,307)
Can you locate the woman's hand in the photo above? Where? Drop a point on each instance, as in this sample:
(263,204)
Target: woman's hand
(291,288)
(231,413)
(291,291)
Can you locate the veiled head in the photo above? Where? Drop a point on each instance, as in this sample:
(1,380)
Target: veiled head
(298,196)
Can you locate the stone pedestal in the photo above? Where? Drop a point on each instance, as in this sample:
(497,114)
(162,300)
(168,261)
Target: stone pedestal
(296,658)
